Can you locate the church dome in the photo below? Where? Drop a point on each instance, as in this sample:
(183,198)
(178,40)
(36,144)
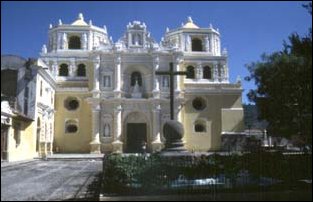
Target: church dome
(80,20)
(189,24)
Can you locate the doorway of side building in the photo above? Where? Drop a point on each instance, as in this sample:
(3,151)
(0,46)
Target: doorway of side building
(4,146)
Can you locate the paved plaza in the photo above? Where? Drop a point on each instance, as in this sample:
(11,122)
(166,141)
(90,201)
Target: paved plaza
(50,180)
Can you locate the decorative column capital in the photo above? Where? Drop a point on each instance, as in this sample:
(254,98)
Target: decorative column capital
(156,108)
(55,62)
(118,108)
(179,59)
(96,60)
(156,60)
(95,106)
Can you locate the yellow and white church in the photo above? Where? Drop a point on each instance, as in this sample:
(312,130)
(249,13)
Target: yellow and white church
(109,99)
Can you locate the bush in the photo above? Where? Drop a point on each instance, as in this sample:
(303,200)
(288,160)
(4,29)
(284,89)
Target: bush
(123,174)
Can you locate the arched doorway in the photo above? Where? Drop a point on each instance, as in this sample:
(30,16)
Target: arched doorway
(136,132)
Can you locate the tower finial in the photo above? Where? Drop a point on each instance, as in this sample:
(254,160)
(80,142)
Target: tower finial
(189,19)
(80,16)
(60,22)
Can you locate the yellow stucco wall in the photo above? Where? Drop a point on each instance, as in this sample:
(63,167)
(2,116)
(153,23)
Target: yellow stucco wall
(215,118)
(72,142)
(27,148)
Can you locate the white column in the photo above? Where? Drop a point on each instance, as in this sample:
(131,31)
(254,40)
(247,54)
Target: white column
(215,72)
(156,144)
(117,143)
(72,68)
(59,41)
(210,43)
(95,143)
(225,73)
(90,40)
(84,41)
(96,73)
(156,83)
(178,77)
(199,72)
(95,123)
(55,69)
(118,123)
(222,72)
(118,74)
(156,124)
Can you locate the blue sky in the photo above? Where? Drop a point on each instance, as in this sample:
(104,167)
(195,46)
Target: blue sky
(248,29)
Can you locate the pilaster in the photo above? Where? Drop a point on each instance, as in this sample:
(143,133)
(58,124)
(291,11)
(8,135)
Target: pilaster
(95,143)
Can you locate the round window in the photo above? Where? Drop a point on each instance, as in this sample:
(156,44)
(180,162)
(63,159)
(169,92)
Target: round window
(71,103)
(198,103)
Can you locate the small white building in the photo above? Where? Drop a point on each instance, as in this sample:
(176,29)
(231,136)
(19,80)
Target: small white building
(27,113)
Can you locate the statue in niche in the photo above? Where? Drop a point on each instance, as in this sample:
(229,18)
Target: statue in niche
(136,90)
(165,82)
(44,49)
(136,39)
(106,130)
(107,81)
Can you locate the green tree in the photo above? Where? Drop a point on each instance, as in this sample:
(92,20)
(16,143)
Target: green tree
(284,88)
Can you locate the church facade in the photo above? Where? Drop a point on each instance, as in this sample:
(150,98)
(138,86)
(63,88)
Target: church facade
(109,99)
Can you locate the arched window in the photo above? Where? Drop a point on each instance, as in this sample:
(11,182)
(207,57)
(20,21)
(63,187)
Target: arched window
(200,126)
(74,42)
(81,70)
(71,126)
(196,44)
(207,73)
(63,71)
(136,76)
(190,72)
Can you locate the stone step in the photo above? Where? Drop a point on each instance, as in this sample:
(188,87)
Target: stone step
(97,157)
